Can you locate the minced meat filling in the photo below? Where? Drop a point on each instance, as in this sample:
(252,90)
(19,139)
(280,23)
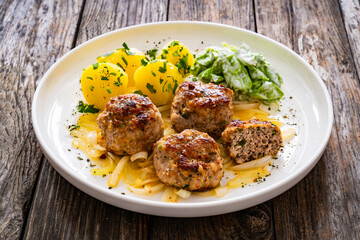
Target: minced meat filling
(250,140)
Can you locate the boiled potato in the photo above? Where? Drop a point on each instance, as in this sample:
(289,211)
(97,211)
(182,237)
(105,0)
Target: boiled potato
(129,59)
(179,55)
(158,80)
(101,81)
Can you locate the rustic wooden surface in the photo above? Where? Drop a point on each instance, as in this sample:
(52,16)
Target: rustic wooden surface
(37,203)
(319,35)
(28,49)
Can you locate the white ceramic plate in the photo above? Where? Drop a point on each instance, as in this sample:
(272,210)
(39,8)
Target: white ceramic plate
(306,104)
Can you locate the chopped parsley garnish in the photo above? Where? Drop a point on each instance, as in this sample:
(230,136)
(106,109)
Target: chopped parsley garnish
(140,93)
(73,127)
(164,85)
(124,59)
(242,142)
(163,56)
(185,115)
(161,80)
(169,87)
(143,62)
(89,78)
(150,88)
(91,87)
(118,83)
(108,90)
(175,87)
(174,43)
(163,69)
(176,54)
(183,64)
(152,53)
(125,46)
(86,108)
(239,130)
(114,74)
(95,65)
(173,79)
(165,51)
(120,66)
(160,147)
(154,74)
(106,55)
(127,49)
(104,78)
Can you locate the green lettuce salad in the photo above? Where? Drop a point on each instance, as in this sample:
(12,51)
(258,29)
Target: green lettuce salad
(245,72)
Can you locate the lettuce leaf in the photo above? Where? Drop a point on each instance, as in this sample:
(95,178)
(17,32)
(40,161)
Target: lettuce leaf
(238,68)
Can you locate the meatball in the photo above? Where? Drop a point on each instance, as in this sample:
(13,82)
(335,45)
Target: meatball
(190,160)
(129,124)
(204,107)
(250,140)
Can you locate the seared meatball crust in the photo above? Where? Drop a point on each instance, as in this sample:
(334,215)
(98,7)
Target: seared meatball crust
(190,160)
(130,123)
(249,140)
(204,107)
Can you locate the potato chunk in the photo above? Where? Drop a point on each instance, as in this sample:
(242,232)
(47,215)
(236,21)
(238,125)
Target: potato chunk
(128,59)
(158,80)
(179,55)
(101,81)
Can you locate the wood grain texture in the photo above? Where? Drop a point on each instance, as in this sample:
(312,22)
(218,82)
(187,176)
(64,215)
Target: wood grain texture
(104,16)
(28,48)
(325,205)
(350,10)
(252,223)
(231,12)
(34,34)
(67,212)
(61,211)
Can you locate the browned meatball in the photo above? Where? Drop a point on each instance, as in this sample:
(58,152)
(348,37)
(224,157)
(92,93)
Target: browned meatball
(130,123)
(190,160)
(204,107)
(250,140)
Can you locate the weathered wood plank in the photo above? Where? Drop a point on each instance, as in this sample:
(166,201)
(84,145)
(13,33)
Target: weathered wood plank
(59,210)
(325,204)
(30,42)
(105,16)
(350,13)
(252,223)
(232,12)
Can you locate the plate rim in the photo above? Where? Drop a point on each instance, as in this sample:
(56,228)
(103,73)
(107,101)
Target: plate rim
(96,191)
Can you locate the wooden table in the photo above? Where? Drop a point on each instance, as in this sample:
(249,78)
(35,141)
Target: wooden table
(37,203)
